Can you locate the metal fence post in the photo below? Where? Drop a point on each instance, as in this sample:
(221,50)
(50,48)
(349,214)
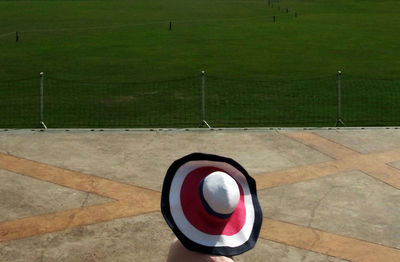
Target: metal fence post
(203,100)
(339,121)
(41,102)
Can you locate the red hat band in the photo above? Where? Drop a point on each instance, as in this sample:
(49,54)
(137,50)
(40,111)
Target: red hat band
(198,212)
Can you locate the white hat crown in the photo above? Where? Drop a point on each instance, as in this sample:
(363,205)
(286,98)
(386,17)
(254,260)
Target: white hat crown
(221,192)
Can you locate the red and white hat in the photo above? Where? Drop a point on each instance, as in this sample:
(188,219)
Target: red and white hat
(210,203)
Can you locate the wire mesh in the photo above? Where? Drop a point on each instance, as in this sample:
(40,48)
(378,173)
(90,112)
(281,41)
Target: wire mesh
(19,103)
(370,102)
(178,103)
(233,103)
(151,104)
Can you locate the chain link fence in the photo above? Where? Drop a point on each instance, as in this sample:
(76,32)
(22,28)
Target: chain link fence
(200,101)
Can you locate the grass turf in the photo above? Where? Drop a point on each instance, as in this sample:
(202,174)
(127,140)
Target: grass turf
(130,41)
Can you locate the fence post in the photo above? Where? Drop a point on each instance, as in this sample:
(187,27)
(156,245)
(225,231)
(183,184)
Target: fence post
(203,100)
(339,121)
(41,103)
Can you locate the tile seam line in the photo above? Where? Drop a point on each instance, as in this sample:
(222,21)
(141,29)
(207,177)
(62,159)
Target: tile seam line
(313,148)
(379,152)
(70,227)
(360,154)
(377,179)
(112,198)
(327,232)
(332,162)
(391,165)
(71,170)
(316,149)
(74,209)
(308,250)
(67,187)
(309,179)
(334,142)
(328,163)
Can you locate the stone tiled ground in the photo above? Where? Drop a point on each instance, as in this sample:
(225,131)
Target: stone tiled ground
(327,195)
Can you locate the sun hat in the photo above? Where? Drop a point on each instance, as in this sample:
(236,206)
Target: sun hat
(210,203)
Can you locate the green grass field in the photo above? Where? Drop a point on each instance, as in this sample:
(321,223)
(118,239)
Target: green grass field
(130,41)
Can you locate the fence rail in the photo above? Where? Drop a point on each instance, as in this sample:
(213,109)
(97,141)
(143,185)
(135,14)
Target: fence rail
(200,101)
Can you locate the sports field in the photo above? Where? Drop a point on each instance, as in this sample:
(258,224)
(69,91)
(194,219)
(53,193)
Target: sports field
(120,41)
(124,41)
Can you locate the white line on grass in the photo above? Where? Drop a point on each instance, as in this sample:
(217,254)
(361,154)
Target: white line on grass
(139,24)
(6,34)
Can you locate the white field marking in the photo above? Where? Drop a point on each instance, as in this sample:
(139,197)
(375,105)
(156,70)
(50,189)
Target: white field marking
(6,34)
(139,24)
